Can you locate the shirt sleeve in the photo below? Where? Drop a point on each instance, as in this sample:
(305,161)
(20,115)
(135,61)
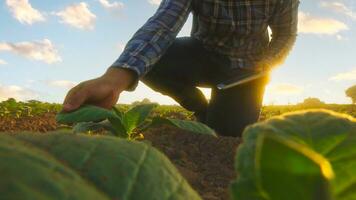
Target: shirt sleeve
(284,26)
(151,41)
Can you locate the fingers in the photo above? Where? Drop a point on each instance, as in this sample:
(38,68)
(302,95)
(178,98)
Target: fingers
(75,98)
(109,101)
(98,92)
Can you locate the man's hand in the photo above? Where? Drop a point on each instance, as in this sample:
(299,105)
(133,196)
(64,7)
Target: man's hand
(103,91)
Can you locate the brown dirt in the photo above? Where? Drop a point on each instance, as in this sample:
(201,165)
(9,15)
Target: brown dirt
(206,162)
(43,123)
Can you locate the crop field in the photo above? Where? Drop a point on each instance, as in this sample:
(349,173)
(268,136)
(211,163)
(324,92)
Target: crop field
(195,164)
(40,116)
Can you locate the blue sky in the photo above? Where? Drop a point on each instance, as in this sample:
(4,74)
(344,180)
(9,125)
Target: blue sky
(46,48)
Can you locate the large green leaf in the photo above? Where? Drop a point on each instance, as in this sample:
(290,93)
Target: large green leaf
(97,167)
(327,133)
(86,113)
(191,126)
(136,116)
(30,173)
(280,161)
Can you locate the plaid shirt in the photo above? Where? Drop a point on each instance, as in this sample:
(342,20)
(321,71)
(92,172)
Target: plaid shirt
(235,28)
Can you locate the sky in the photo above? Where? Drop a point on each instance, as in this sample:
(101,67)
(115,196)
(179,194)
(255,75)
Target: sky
(47,47)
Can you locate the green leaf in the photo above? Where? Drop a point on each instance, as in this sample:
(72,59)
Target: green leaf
(49,166)
(192,126)
(84,127)
(85,113)
(118,127)
(280,161)
(119,113)
(28,172)
(327,133)
(136,116)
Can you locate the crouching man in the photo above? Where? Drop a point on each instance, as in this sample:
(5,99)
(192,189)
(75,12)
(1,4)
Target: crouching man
(229,39)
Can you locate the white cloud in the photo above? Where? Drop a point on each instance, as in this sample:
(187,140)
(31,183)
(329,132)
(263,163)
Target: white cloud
(3,62)
(17,92)
(346,76)
(24,12)
(339,7)
(114,5)
(154,2)
(78,16)
(61,83)
(318,25)
(42,50)
(285,89)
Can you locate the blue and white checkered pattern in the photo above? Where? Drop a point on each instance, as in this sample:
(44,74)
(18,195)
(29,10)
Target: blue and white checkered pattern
(235,28)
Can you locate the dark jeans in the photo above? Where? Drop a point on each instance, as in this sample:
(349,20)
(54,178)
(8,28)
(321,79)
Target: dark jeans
(186,65)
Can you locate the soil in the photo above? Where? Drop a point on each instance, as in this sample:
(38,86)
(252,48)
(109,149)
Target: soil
(42,123)
(205,161)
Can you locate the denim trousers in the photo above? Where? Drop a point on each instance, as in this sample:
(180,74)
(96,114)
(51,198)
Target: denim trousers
(186,65)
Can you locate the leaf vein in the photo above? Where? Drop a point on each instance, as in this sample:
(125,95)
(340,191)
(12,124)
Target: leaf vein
(136,173)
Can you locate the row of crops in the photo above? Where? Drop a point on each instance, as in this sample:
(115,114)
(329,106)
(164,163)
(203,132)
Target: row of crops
(12,108)
(270,111)
(18,109)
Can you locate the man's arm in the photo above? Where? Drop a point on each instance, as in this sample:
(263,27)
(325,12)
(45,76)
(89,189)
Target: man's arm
(142,51)
(152,40)
(284,26)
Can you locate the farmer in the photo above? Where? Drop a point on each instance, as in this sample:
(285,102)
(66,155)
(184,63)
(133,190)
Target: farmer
(229,38)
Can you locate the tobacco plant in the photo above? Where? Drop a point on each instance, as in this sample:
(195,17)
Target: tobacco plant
(127,124)
(59,165)
(308,155)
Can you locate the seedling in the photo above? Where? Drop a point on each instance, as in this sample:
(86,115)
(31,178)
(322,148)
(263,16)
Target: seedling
(128,124)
